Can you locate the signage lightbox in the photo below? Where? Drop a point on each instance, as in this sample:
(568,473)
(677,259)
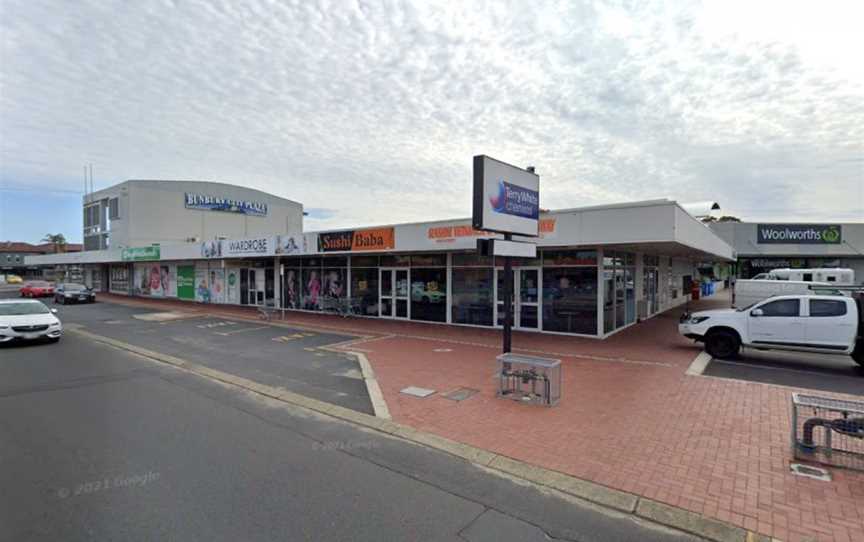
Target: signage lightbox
(207,202)
(140,254)
(799,234)
(506,198)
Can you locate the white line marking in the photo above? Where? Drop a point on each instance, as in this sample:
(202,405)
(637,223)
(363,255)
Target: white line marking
(379,405)
(244,330)
(699,364)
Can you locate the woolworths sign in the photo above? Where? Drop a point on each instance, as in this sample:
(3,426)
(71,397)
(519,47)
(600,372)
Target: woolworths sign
(799,234)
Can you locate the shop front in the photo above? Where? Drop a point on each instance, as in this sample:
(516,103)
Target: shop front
(596,271)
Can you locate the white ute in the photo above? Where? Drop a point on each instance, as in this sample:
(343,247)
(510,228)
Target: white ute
(827,324)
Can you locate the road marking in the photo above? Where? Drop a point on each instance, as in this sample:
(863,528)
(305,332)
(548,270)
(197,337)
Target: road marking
(306,348)
(216,324)
(244,330)
(813,372)
(699,364)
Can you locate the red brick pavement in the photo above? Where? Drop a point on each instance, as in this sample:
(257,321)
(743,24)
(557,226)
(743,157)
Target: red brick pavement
(629,419)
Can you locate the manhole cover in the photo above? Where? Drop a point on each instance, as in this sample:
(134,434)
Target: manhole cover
(810,472)
(417,392)
(460,394)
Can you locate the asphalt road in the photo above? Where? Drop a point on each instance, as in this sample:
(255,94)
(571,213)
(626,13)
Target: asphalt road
(100,444)
(817,372)
(271,355)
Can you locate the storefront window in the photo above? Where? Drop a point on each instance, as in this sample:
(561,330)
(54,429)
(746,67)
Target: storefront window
(570,300)
(364,261)
(311,289)
(333,283)
(395,261)
(429,260)
(472,296)
(471,259)
(429,294)
(569,257)
(364,291)
(291,288)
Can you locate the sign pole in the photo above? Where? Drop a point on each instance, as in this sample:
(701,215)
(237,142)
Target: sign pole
(508,299)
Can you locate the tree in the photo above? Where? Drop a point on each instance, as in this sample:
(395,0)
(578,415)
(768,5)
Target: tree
(726,218)
(58,240)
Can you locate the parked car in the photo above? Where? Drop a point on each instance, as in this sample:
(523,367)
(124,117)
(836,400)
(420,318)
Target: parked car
(13,279)
(824,324)
(28,319)
(37,288)
(70,292)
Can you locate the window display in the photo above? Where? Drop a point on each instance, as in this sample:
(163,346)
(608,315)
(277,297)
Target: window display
(472,296)
(429,294)
(570,300)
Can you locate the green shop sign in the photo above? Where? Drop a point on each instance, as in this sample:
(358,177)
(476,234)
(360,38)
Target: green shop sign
(186,282)
(799,234)
(140,254)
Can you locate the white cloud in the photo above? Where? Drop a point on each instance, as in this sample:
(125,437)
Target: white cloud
(374,109)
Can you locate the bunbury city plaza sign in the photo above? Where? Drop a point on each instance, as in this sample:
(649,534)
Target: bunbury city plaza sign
(213,203)
(799,234)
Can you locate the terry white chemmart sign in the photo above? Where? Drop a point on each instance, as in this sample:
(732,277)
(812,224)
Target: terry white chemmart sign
(799,234)
(215,203)
(506,198)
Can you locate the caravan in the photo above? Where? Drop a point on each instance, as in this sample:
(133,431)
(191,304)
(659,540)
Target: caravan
(845,277)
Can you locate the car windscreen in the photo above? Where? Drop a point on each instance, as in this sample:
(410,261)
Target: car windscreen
(73,286)
(18,309)
(38,284)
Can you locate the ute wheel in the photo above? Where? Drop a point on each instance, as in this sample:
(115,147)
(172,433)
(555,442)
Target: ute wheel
(722,344)
(858,353)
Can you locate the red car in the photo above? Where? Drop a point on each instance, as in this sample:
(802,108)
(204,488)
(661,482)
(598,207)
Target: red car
(37,288)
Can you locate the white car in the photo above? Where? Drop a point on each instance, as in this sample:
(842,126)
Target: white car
(803,323)
(28,319)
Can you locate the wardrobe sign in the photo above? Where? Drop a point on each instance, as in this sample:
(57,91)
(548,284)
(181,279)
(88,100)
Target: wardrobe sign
(234,248)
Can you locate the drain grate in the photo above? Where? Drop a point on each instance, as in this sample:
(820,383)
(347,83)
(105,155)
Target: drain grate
(460,394)
(810,472)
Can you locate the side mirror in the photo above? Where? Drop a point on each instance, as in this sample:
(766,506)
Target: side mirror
(53,311)
(756,312)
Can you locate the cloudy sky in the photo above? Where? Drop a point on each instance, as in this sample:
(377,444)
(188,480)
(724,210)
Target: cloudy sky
(370,112)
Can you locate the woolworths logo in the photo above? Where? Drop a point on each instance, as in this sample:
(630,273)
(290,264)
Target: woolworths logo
(799,234)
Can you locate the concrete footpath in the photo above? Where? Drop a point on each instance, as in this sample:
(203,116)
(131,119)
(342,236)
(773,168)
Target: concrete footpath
(633,426)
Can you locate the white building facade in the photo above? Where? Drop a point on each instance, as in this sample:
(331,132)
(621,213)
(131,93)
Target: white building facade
(597,270)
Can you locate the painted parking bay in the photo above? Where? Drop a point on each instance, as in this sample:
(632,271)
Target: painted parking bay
(273,355)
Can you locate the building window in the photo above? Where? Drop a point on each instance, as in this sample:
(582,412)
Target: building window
(114,208)
(311,288)
(472,296)
(429,294)
(569,257)
(364,290)
(570,300)
(291,288)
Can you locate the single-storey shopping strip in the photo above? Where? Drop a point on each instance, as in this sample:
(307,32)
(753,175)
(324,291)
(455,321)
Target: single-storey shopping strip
(598,269)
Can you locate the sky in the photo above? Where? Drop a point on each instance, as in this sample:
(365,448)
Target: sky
(370,112)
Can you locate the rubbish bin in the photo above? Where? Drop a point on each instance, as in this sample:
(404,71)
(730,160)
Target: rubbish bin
(694,291)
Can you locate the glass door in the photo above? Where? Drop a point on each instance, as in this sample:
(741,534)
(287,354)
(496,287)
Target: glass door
(393,297)
(526,297)
(253,288)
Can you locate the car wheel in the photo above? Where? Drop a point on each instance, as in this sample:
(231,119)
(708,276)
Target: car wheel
(722,344)
(858,353)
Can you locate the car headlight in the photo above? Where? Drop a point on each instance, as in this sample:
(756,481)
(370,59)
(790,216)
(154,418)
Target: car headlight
(697,319)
